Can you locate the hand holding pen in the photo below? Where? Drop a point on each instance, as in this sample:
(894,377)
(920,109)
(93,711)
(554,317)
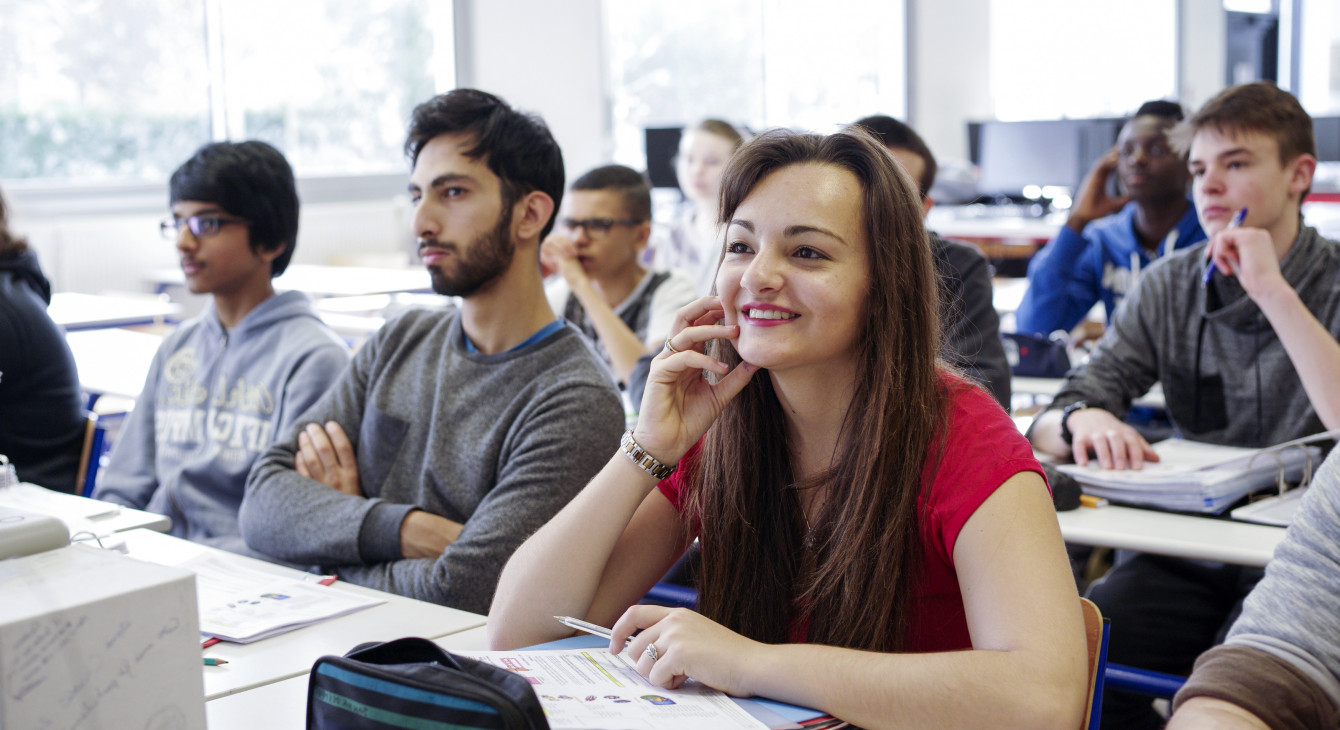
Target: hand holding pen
(1211,268)
(1250,255)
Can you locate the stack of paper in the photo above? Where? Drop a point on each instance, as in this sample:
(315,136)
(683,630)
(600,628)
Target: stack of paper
(244,605)
(1191,476)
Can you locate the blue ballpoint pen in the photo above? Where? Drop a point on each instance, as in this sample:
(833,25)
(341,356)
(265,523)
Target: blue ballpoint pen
(1209,270)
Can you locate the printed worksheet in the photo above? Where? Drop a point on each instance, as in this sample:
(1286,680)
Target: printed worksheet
(591,688)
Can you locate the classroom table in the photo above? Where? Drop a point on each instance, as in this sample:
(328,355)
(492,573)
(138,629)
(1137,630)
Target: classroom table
(327,281)
(1166,533)
(291,654)
(113,361)
(990,223)
(75,311)
(81,513)
(1051,386)
(283,705)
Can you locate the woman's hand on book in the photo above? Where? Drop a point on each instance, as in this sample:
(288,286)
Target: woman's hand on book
(688,645)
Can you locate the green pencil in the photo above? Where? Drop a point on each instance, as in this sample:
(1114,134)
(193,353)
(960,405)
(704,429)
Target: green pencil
(212,662)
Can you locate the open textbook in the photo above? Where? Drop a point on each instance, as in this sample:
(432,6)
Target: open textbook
(1192,476)
(591,688)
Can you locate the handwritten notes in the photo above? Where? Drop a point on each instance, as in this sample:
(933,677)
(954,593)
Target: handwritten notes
(90,638)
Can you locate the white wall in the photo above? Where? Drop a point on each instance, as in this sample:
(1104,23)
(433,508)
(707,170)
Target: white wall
(949,82)
(1202,52)
(542,56)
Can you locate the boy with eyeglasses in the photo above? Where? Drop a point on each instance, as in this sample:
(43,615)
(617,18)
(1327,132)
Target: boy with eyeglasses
(1107,241)
(227,384)
(600,286)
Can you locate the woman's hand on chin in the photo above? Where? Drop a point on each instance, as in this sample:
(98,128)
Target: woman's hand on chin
(688,645)
(679,404)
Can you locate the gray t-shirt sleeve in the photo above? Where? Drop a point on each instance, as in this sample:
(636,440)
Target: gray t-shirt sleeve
(131,476)
(1290,613)
(564,440)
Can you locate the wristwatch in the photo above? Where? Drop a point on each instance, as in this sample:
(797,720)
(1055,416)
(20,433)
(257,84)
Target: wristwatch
(644,461)
(1066,436)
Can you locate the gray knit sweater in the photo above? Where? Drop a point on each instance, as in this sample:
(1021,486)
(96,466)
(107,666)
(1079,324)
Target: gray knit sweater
(1225,374)
(497,442)
(1282,657)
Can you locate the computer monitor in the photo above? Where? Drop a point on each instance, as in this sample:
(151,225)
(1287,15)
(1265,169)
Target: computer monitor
(1014,155)
(1327,132)
(662,145)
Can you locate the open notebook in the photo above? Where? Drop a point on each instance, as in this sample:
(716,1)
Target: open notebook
(1192,476)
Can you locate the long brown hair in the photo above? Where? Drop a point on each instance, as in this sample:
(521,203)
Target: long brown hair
(849,574)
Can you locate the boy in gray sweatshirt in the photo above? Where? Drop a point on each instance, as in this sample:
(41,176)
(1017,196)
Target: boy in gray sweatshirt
(454,435)
(226,384)
(1247,355)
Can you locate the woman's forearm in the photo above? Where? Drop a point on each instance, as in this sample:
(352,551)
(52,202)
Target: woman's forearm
(559,569)
(978,688)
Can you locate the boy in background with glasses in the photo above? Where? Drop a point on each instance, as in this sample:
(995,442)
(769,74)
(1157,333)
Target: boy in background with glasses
(600,285)
(227,384)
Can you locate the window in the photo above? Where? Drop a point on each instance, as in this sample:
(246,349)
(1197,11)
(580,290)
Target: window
(757,63)
(1052,59)
(127,89)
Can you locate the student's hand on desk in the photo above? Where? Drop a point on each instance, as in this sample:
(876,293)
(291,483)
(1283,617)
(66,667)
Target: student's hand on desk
(1248,254)
(558,255)
(1093,201)
(688,644)
(1117,445)
(327,456)
(678,404)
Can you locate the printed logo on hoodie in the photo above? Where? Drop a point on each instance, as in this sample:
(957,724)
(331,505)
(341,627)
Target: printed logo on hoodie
(235,423)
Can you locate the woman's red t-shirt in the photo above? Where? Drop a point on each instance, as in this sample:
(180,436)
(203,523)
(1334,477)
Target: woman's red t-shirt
(983,450)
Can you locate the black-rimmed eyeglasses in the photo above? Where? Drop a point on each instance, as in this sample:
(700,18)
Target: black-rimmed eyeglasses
(596,227)
(201,226)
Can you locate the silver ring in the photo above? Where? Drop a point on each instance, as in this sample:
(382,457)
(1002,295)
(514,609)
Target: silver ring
(669,346)
(651,652)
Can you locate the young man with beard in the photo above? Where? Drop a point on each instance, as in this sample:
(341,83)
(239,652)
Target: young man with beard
(1108,240)
(452,436)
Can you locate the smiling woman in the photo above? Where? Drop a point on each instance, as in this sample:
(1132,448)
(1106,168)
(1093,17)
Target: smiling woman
(876,537)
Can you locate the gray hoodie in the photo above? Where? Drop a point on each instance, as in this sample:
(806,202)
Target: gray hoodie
(1225,374)
(214,401)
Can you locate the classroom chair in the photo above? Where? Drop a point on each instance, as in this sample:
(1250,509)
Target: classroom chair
(672,595)
(90,456)
(1095,634)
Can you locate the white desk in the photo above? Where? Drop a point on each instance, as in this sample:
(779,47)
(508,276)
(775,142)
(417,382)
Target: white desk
(81,513)
(291,655)
(328,281)
(1007,293)
(75,311)
(1164,533)
(1051,386)
(975,222)
(283,705)
(113,361)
